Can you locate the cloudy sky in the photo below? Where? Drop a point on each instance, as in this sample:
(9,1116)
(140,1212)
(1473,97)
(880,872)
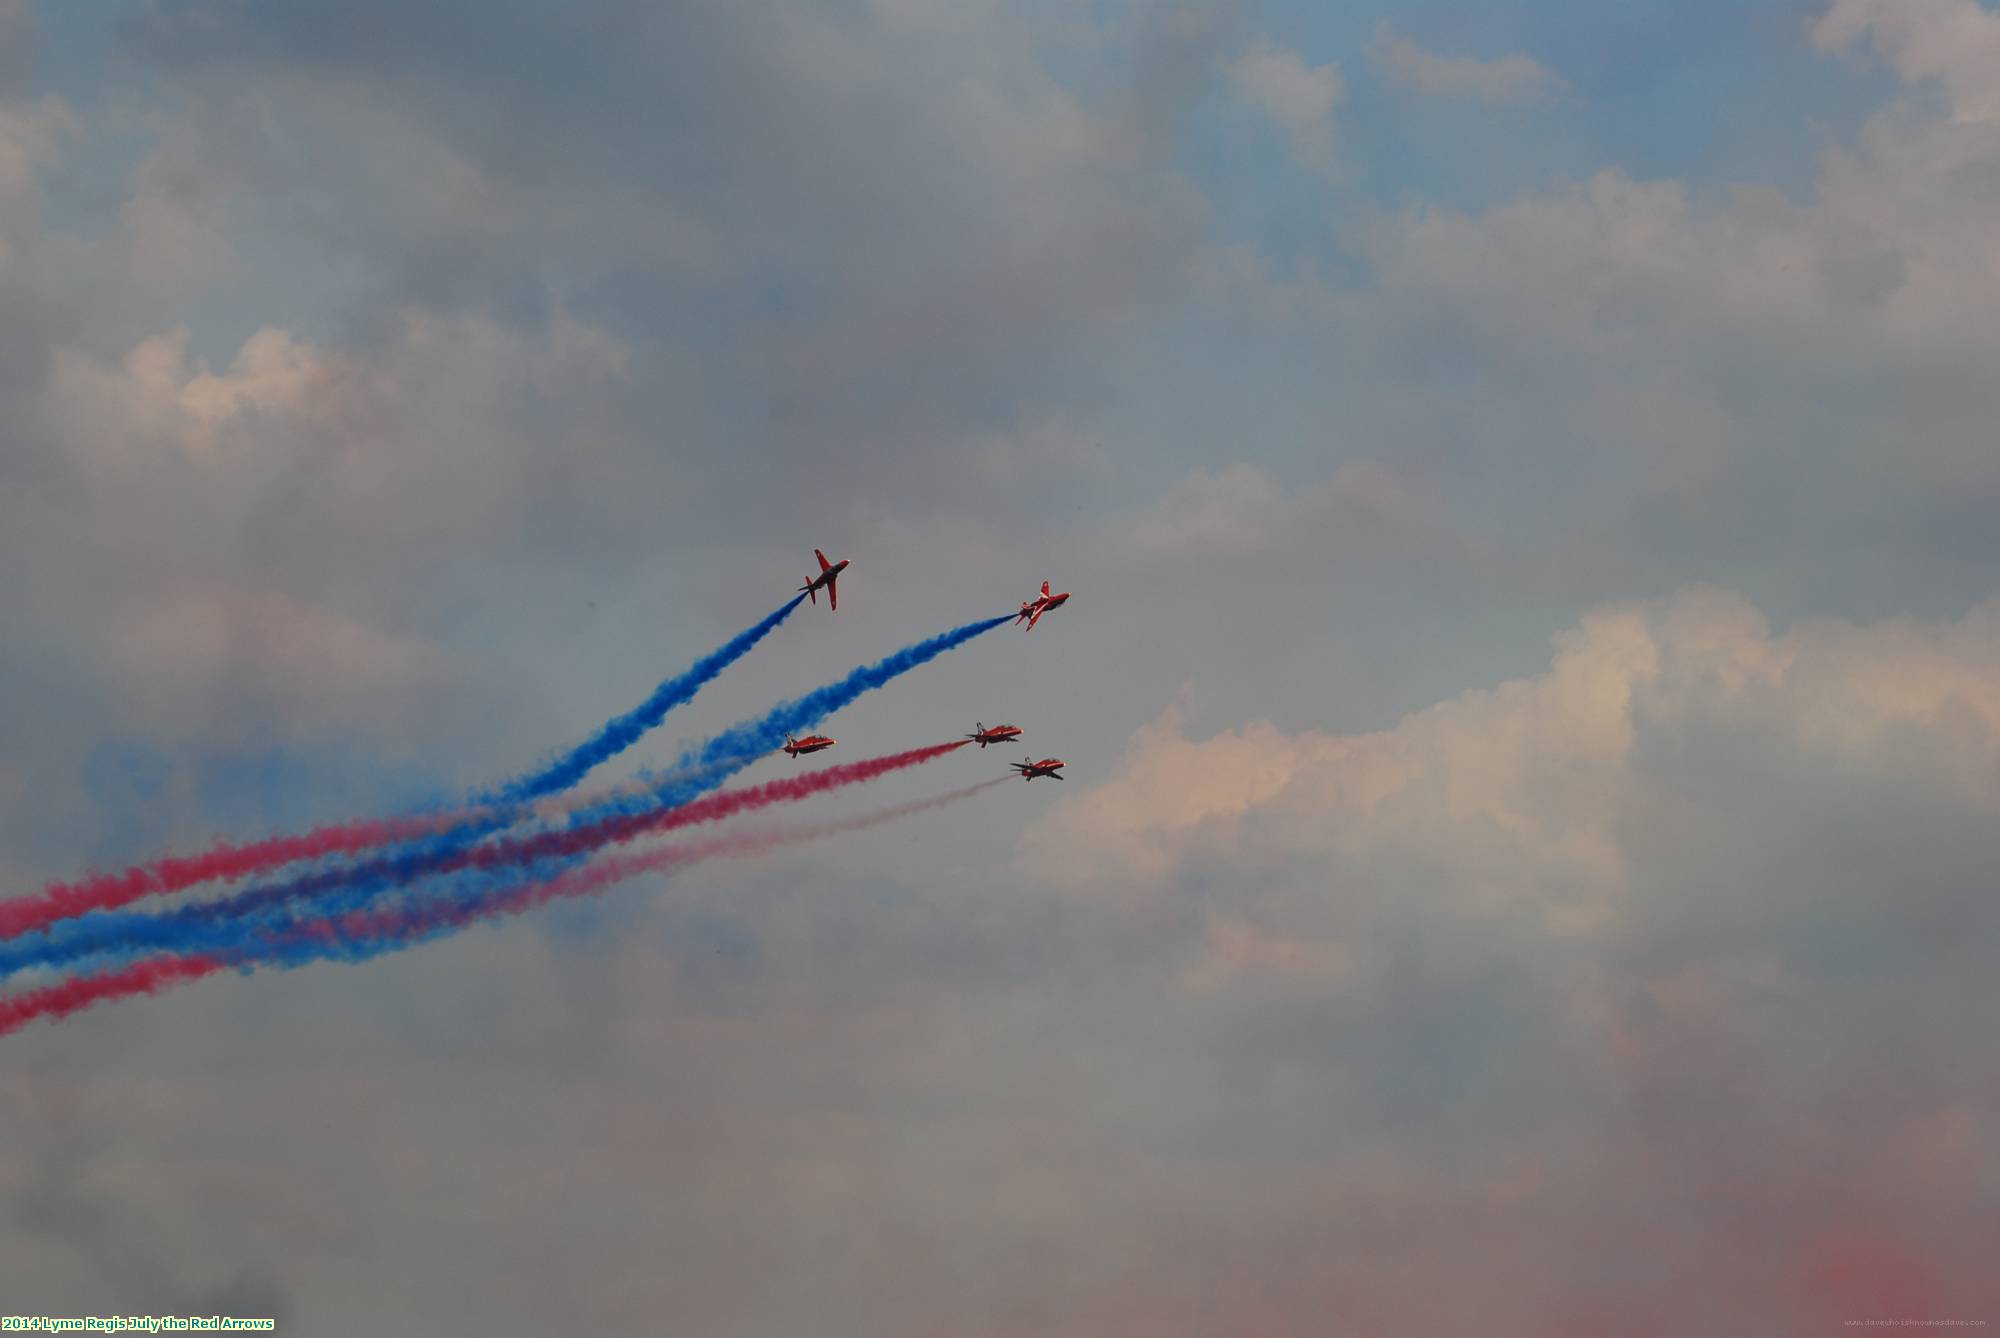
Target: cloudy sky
(1529,476)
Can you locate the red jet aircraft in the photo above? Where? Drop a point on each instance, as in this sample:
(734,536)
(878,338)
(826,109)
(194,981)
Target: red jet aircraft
(829,572)
(998,734)
(1048,766)
(1033,609)
(811,743)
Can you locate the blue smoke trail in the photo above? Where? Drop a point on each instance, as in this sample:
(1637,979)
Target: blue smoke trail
(271,938)
(503,804)
(341,886)
(740,745)
(621,732)
(228,862)
(232,923)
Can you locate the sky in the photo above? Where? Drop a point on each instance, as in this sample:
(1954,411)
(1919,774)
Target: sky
(1531,695)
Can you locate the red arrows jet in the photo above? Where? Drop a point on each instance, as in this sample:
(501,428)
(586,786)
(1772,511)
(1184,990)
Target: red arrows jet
(1048,766)
(1033,609)
(998,734)
(811,743)
(829,572)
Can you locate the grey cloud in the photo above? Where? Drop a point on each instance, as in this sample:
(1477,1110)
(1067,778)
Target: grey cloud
(1624,990)
(658,279)
(912,235)
(1620,385)
(19,37)
(1803,910)
(1617,386)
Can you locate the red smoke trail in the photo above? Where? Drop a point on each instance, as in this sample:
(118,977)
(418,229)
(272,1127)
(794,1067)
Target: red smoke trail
(393,930)
(60,901)
(223,862)
(772,838)
(67,996)
(403,927)
(624,827)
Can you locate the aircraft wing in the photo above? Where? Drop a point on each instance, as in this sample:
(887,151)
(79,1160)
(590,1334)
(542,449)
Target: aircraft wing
(1038,617)
(823,563)
(833,592)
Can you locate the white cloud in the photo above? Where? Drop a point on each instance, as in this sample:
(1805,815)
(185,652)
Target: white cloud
(1955,42)
(275,385)
(1299,98)
(1515,78)
(1651,355)
(1526,798)
(1666,319)
(220,503)
(1892,250)
(1890,255)
(1435,976)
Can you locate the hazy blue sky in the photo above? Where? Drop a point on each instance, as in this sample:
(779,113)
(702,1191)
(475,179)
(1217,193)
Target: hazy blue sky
(1528,476)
